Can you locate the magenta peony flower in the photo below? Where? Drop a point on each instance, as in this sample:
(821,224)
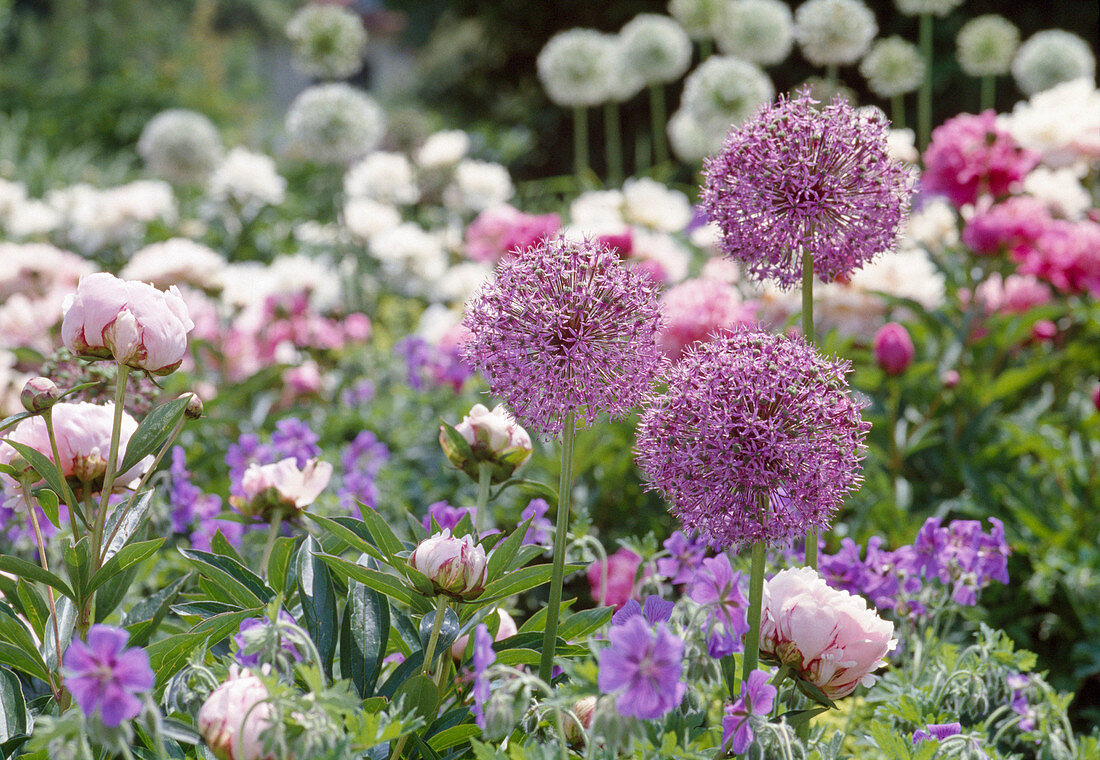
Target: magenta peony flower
(643,665)
(565,327)
(83,433)
(282,486)
(893,348)
(622,568)
(105,676)
(757,697)
(971,157)
(827,636)
(504,230)
(747,417)
(456,566)
(1012,226)
(131,322)
(695,310)
(235,716)
(796,178)
(1015,294)
(1067,255)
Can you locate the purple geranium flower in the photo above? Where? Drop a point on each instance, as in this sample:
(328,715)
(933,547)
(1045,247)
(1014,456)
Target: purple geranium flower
(716,586)
(541,529)
(797,179)
(565,327)
(685,557)
(483,657)
(102,674)
(362,459)
(656,610)
(643,665)
(251,645)
(936,731)
(755,439)
(446,516)
(757,697)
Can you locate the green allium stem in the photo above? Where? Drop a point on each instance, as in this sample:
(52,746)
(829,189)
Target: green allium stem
(561,532)
(580,144)
(897,111)
(989,92)
(808,333)
(658,118)
(613,142)
(756,596)
(924,102)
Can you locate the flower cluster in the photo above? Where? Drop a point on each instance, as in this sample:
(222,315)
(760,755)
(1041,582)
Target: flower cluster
(328,40)
(190,506)
(361,461)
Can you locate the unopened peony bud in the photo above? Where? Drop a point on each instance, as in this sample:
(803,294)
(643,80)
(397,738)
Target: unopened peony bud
(234,717)
(194,407)
(1044,330)
(493,437)
(583,709)
(456,567)
(893,348)
(507,629)
(39,394)
(827,636)
(1096,396)
(281,486)
(950,378)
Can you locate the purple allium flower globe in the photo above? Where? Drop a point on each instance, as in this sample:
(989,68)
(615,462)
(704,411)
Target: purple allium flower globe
(565,327)
(749,417)
(797,179)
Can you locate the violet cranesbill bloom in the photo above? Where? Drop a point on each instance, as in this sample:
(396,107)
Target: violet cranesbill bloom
(795,179)
(565,327)
(541,530)
(446,516)
(716,586)
(252,640)
(104,675)
(656,610)
(757,697)
(937,731)
(755,439)
(483,657)
(685,557)
(643,665)
(362,459)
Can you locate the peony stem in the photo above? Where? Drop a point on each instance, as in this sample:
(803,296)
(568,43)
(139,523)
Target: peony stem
(44,561)
(112,464)
(437,626)
(808,333)
(613,143)
(658,121)
(272,534)
(756,595)
(924,101)
(68,495)
(989,92)
(580,144)
(484,480)
(565,485)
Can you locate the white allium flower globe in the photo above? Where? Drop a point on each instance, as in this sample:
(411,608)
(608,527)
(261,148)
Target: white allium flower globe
(1051,57)
(760,31)
(335,123)
(181,146)
(834,32)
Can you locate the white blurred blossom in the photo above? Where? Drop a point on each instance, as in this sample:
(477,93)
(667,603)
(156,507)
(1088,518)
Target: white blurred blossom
(1051,57)
(834,32)
(248,179)
(384,177)
(335,123)
(181,146)
(759,31)
(328,41)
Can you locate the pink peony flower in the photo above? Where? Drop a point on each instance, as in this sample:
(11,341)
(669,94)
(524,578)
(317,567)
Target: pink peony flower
(1015,294)
(696,310)
(281,486)
(893,348)
(828,636)
(500,231)
(1067,255)
(235,716)
(622,567)
(456,566)
(506,630)
(83,433)
(1011,226)
(970,157)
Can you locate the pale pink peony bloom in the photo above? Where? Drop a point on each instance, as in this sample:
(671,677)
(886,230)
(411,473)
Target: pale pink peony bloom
(696,310)
(622,569)
(456,566)
(506,630)
(281,486)
(495,438)
(893,348)
(132,322)
(1015,294)
(235,716)
(83,433)
(828,636)
(502,230)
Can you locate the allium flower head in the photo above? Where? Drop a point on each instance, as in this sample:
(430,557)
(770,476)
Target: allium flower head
(656,48)
(698,17)
(760,31)
(752,418)
(180,145)
(104,675)
(834,32)
(565,327)
(328,41)
(893,67)
(724,91)
(795,178)
(922,7)
(335,123)
(1051,57)
(577,67)
(986,45)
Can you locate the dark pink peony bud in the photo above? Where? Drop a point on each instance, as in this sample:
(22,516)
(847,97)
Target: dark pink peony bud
(893,348)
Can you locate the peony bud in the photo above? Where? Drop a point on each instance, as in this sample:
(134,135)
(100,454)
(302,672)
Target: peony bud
(194,407)
(583,710)
(507,629)
(493,437)
(131,322)
(39,394)
(893,348)
(235,716)
(1044,330)
(281,486)
(456,567)
(950,378)
(827,636)
(1096,396)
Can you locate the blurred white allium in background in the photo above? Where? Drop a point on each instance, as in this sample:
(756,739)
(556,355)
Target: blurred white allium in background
(335,123)
(724,91)
(921,7)
(834,32)
(656,47)
(892,67)
(180,146)
(577,67)
(1051,57)
(699,18)
(986,44)
(759,31)
(328,41)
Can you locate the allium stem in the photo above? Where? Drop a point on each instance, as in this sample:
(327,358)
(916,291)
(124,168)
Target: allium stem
(706,49)
(484,479)
(658,122)
(272,534)
(808,333)
(989,92)
(613,142)
(756,596)
(924,101)
(897,111)
(831,76)
(565,486)
(580,144)
(112,464)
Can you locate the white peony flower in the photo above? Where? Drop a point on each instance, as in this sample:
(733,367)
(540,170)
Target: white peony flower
(366,218)
(653,204)
(247,178)
(478,185)
(384,177)
(413,259)
(1062,123)
(177,261)
(443,149)
(1060,189)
